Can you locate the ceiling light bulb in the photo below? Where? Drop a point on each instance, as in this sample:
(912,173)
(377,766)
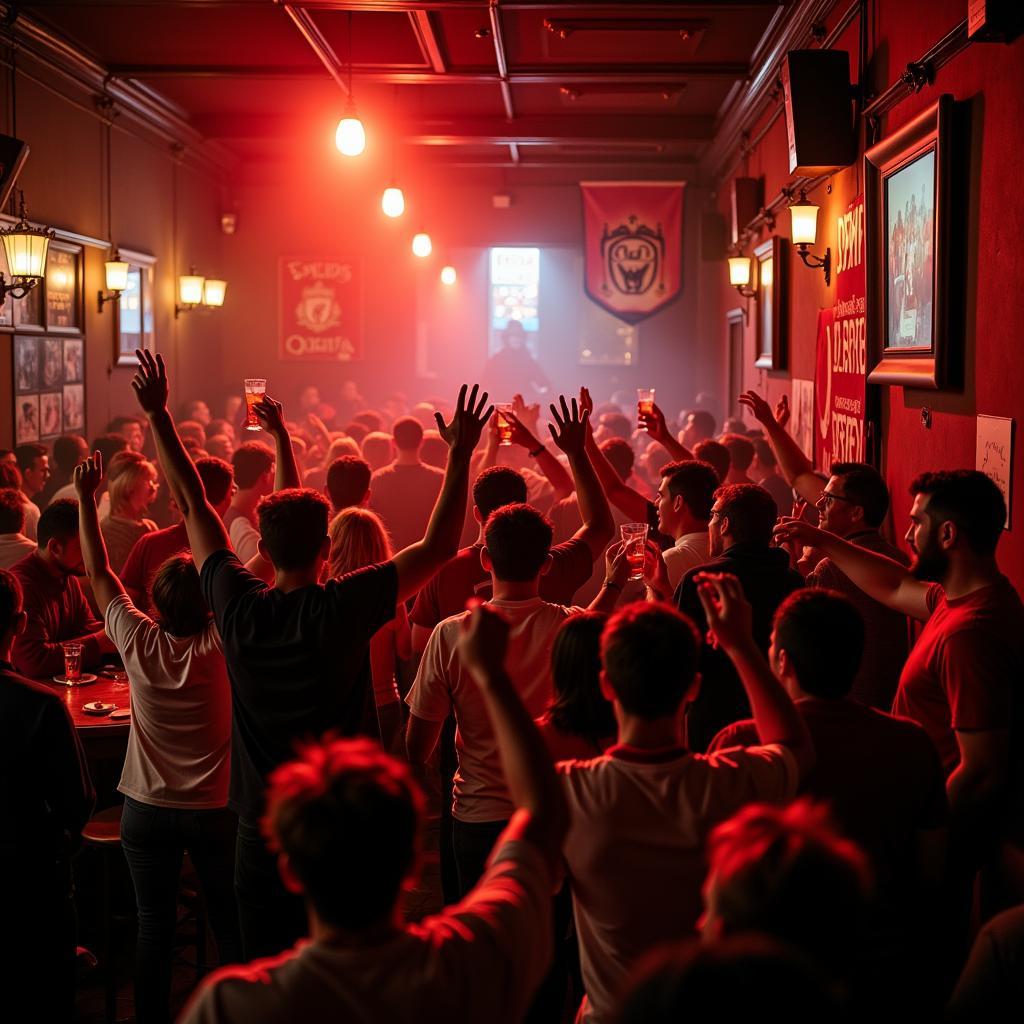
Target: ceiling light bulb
(421,245)
(393,201)
(448,275)
(350,138)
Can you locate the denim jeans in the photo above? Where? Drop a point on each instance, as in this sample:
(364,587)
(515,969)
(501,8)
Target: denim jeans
(154,840)
(472,842)
(272,918)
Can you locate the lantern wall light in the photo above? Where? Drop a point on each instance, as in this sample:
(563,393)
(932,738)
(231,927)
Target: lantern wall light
(739,275)
(198,292)
(804,222)
(115,275)
(26,248)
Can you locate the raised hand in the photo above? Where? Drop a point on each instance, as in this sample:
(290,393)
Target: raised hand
(150,382)
(728,612)
(270,414)
(571,424)
(616,565)
(789,530)
(654,423)
(656,571)
(782,411)
(521,434)
(463,432)
(87,477)
(483,639)
(586,402)
(758,406)
(528,415)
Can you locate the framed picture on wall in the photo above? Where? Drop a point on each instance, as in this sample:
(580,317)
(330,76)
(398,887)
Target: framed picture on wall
(26,418)
(135,308)
(770,268)
(74,407)
(26,365)
(907,208)
(74,360)
(28,312)
(64,288)
(51,363)
(50,413)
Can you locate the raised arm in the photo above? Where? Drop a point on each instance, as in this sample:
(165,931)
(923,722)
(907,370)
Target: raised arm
(286,469)
(730,618)
(105,585)
(569,431)
(542,816)
(418,562)
(879,577)
(206,533)
(795,466)
(654,423)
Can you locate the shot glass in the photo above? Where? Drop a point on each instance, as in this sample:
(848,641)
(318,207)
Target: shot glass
(504,424)
(634,538)
(255,389)
(645,401)
(72,661)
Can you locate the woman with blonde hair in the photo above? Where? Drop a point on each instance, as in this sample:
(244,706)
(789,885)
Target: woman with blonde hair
(132,484)
(359,539)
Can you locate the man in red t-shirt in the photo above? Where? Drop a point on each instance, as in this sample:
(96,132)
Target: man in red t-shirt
(151,550)
(962,680)
(571,563)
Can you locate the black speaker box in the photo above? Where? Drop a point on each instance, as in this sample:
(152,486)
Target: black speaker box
(819,111)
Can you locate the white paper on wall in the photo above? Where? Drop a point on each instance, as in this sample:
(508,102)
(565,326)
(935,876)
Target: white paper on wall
(994,453)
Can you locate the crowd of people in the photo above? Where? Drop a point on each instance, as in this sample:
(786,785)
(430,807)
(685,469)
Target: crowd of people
(435,754)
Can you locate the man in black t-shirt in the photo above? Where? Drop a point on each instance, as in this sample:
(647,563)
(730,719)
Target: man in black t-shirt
(297,652)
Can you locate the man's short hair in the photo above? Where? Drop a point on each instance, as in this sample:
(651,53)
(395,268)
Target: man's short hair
(751,512)
(67,450)
(764,452)
(10,599)
(866,487)
(251,460)
(785,872)
(357,431)
(695,482)
(703,422)
(10,476)
(518,541)
(178,597)
(617,424)
(715,455)
(348,480)
(377,448)
(59,521)
(968,498)
(497,486)
(620,454)
(293,526)
(217,476)
(434,450)
(26,454)
(108,445)
(371,419)
(823,635)
(12,511)
(118,423)
(741,451)
(408,434)
(348,817)
(649,654)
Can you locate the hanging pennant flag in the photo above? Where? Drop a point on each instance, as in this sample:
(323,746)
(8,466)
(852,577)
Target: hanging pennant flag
(633,243)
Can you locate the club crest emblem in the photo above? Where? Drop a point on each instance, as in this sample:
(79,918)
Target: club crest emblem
(318,310)
(633,256)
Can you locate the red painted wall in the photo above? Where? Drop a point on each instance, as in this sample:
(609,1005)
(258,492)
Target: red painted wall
(990,79)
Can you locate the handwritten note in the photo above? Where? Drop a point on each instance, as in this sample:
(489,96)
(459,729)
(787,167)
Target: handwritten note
(994,453)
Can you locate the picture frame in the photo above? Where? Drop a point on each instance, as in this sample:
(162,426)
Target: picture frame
(907,193)
(770,270)
(26,418)
(64,289)
(74,360)
(26,364)
(28,311)
(134,317)
(51,415)
(51,363)
(74,408)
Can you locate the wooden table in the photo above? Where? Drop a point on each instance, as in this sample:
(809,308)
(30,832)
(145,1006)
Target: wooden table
(105,690)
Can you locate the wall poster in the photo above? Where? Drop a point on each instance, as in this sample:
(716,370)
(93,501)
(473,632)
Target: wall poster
(994,454)
(320,309)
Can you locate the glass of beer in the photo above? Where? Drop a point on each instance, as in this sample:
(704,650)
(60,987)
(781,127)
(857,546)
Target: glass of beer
(72,661)
(255,389)
(634,539)
(645,401)
(504,424)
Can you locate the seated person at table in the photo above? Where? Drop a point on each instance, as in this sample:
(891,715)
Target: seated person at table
(153,549)
(177,766)
(297,652)
(47,799)
(14,545)
(346,821)
(54,603)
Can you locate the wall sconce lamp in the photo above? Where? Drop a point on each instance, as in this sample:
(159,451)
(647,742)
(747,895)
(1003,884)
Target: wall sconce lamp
(115,272)
(195,291)
(26,248)
(739,275)
(804,233)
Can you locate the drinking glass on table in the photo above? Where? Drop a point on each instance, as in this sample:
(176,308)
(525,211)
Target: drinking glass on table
(645,401)
(72,661)
(634,540)
(255,389)
(504,424)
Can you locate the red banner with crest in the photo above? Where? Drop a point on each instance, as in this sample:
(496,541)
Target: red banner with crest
(633,245)
(320,309)
(840,375)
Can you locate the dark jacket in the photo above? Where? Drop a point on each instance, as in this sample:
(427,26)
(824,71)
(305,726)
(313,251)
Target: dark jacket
(767,580)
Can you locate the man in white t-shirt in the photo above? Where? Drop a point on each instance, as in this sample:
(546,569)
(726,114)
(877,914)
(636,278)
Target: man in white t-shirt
(640,814)
(255,466)
(346,821)
(684,502)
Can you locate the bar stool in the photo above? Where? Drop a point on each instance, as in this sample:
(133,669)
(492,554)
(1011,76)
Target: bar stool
(103,833)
